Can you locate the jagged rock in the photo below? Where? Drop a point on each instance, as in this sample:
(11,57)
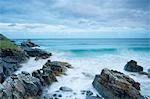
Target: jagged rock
(116,85)
(27,46)
(29,43)
(65,89)
(10,61)
(133,67)
(13,55)
(22,87)
(45,76)
(38,53)
(57,67)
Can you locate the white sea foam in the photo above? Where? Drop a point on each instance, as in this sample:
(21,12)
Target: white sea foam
(32,65)
(76,79)
(81,76)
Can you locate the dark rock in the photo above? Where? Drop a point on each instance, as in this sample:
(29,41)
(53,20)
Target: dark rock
(89,93)
(45,75)
(38,53)
(23,87)
(57,67)
(116,85)
(10,61)
(133,67)
(29,43)
(65,89)
(59,95)
(93,97)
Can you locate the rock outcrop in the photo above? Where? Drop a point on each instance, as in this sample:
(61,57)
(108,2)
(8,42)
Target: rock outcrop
(116,85)
(26,86)
(47,74)
(21,86)
(57,67)
(11,56)
(29,43)
(28,47)
(133,67)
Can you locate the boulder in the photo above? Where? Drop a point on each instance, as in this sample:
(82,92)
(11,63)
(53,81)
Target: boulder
(10,61)
(45,76)
(21,86)
(29,43)
(38,53)
(133,67)
(116,85)
(65,89)
(57,67)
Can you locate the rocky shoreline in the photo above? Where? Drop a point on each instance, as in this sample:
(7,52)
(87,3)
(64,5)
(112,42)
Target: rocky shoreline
(110,84)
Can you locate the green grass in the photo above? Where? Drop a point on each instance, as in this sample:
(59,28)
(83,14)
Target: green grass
(6,43)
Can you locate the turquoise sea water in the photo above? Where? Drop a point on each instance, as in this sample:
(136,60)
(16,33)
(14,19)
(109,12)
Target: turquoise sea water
(90,56)
(81,47)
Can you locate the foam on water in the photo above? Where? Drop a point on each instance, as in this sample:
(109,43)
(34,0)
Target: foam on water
(77,80)
(32,65)
(89,57)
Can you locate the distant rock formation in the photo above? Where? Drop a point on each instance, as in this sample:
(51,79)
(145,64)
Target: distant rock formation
(116,85)
(28,47)
(29,43)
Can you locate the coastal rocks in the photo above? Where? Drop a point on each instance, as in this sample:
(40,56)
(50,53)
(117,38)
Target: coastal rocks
(45,76)
(57,67)
(10,61)
(13,55)
(133,67)
(65,89)
(116,85)
(21,86)
(38,53)
(29,43)
(28,47)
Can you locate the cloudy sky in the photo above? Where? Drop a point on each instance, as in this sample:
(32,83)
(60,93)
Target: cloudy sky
(74,18)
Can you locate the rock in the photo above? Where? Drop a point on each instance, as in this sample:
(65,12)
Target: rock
(10,61)
(65,89)
(38,53)
(116,85)
(133,67)
(45,75)
(23,87)
(93,97)
(34,52)
(29,43)
(57,67)
(89,93)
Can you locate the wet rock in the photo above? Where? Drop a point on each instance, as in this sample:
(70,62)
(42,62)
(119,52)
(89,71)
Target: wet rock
(65,89)
(57,67)
(116,85)
(59,95)
(29,43)
(133,67)
(38,53)
(89,93)
(93,97)
(24,86)
(45,75)
(10,61)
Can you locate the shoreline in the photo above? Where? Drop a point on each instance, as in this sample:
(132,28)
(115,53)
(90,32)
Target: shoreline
(83,74)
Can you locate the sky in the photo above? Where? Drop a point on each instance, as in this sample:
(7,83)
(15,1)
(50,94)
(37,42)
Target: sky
(75,18)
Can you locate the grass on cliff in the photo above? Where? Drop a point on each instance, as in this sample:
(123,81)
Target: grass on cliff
(6,43)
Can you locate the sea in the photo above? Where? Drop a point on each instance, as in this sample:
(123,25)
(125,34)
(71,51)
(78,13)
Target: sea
(89,56)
